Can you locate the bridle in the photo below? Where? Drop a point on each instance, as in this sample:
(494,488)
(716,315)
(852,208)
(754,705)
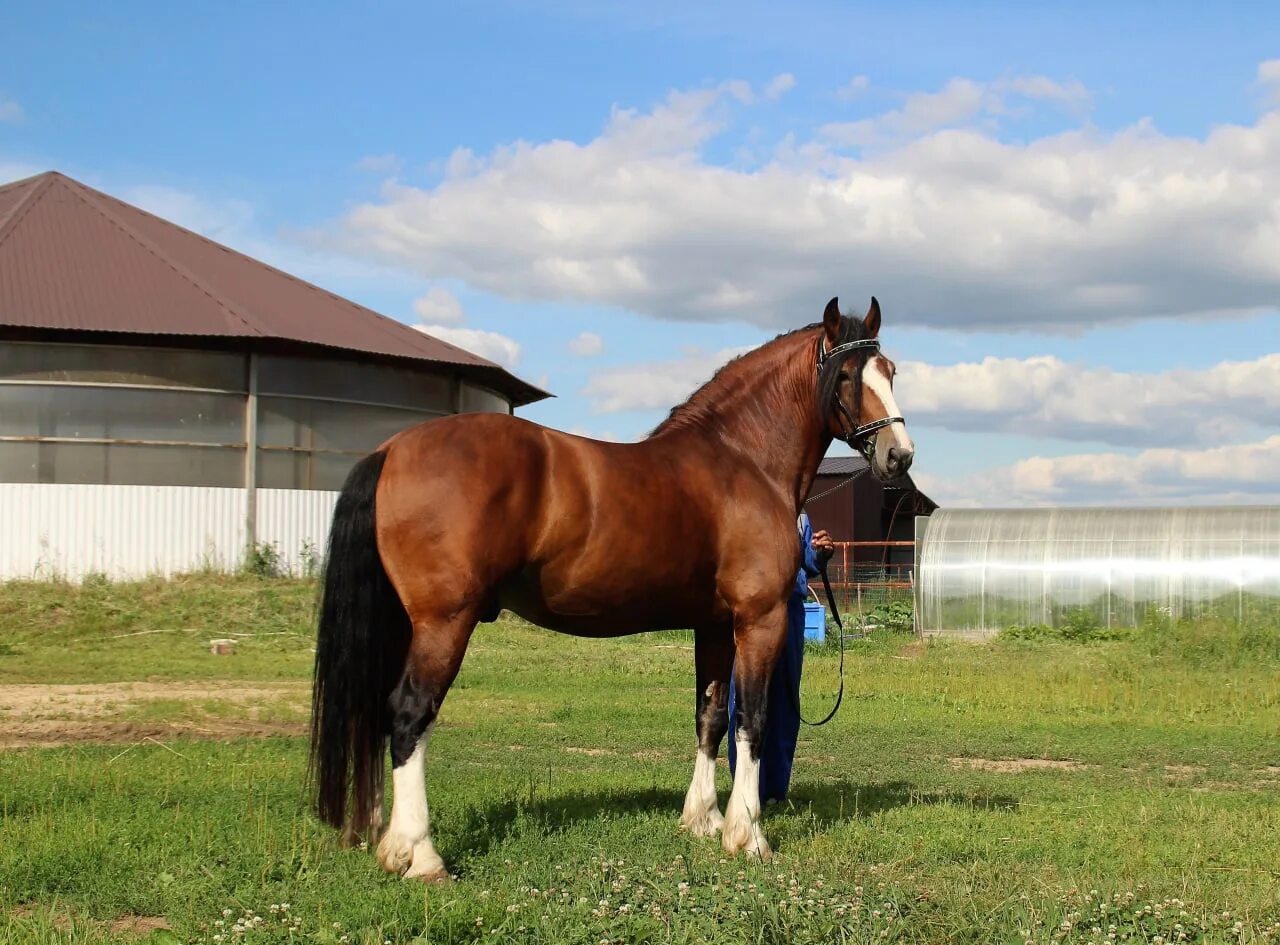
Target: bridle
(860,437)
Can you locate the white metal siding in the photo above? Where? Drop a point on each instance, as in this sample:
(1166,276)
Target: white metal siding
(69,531)
(121,531)
(296,522)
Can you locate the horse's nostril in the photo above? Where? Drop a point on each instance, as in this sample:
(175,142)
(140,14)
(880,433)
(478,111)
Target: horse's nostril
(899,460)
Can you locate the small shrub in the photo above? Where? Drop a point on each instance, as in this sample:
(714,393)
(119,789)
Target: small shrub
(1076,626)
(310,559)
(263,561)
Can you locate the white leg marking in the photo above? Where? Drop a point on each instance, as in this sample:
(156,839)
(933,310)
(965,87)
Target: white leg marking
(406,847)
(742,815)
(701,811)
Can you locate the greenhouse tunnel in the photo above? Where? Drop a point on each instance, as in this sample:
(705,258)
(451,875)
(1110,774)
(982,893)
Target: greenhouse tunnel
(980,571)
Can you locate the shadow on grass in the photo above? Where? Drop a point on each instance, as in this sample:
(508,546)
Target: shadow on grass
(840,801)
(812,807)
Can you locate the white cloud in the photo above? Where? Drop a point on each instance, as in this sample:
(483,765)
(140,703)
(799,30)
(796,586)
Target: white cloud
(779,86)
(951,228)
(1243,474)
(960,103)
(1045,396)
(1268,79)
(1071,94)
(587,345)
(488,344)
(657,384)
(439,306)
(380,164)
(854,88)
(10,110)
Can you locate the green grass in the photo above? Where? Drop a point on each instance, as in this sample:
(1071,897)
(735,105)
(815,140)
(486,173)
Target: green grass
(156,629)
(557,772)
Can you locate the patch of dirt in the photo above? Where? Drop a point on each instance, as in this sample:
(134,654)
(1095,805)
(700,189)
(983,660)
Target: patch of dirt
(1017,765)
(651,754)
(139,925)
(1181,772)
(49,715)
(912,651)
(593,752)
(131,926)
(50,733)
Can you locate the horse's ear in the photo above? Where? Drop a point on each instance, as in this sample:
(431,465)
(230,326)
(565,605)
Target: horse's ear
(872,321)
(831,321)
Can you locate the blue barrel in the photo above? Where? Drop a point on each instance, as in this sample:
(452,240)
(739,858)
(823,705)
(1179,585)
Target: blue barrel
(815,621)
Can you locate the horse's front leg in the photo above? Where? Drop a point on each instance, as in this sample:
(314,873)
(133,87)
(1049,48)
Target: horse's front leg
(713,659)
(759,645)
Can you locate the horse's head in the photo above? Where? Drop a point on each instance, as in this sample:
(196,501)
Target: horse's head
(855,384)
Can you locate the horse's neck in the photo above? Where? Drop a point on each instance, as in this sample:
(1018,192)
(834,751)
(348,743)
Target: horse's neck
(774,424)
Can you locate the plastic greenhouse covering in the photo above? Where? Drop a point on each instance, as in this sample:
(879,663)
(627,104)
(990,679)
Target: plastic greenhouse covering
(979,571)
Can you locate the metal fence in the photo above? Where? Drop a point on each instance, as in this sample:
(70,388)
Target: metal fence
(872,582)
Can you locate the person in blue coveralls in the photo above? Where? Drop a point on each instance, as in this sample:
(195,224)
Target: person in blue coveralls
(782,726)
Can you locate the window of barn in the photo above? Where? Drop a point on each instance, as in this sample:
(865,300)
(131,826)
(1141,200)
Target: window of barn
(121,416)
(312,444)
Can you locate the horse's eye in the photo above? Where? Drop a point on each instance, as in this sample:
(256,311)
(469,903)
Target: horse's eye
(842,376)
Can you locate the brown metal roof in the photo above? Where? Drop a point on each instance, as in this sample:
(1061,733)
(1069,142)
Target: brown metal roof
(842,466)
(75,259)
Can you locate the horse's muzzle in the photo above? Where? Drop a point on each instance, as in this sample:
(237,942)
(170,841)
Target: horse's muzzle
(898,461)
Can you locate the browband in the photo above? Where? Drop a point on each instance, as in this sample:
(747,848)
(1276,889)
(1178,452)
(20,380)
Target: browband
(825,356)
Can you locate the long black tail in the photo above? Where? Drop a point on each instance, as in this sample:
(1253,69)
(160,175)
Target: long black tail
(361,644)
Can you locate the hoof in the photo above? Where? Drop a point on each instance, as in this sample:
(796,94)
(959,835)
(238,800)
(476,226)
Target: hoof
(395,853)
(746,838)
(438,877)
(703,824)
(427,867)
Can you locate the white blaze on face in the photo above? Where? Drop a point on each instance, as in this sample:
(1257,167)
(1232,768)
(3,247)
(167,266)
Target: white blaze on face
(875,378)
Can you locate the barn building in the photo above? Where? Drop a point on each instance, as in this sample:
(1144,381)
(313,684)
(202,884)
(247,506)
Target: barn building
(167,403)
(854,506)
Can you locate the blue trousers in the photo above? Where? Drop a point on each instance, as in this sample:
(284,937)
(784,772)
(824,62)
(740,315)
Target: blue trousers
(782,724)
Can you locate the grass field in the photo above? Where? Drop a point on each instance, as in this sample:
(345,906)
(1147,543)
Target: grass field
(1026,790)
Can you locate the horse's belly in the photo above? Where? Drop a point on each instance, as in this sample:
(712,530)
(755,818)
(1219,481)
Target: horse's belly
(606,606)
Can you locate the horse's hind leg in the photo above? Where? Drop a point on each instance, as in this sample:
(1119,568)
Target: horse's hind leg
(713,659)
(435,656)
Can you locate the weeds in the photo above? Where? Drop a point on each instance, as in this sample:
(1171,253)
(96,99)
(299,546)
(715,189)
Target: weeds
(263,560)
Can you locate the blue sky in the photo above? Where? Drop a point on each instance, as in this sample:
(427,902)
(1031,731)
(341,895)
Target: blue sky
(1089,195)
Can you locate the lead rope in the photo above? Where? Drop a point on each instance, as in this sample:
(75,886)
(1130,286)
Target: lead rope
(795,699)
(835,615)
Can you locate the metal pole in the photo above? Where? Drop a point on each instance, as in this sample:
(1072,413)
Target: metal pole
(251,459)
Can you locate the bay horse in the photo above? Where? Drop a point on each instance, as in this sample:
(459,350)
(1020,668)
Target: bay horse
(453,520)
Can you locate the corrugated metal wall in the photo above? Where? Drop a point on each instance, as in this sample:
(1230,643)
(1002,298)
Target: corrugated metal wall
(70,531)
(122,531)
(296,522)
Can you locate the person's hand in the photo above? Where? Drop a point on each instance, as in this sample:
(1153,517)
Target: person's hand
(823,545)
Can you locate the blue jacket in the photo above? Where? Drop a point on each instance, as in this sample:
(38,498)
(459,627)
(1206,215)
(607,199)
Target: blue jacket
(809,566)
